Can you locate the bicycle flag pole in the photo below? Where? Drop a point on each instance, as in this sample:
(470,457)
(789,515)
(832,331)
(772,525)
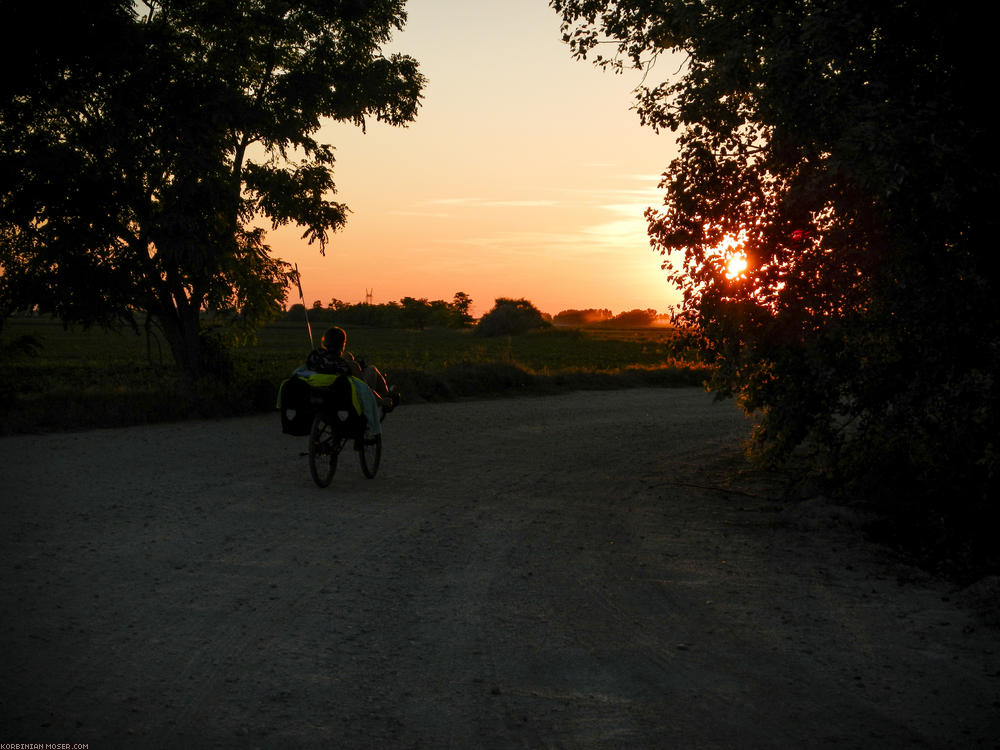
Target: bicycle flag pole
(302,299)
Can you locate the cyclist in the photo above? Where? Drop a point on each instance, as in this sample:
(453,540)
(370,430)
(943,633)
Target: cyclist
(332,359)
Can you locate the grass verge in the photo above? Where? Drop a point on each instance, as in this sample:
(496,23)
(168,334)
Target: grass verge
(93,379)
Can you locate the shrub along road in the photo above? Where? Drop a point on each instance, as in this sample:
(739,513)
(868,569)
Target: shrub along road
(580,571)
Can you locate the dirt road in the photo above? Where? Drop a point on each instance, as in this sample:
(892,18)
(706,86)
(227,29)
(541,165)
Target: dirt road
(577,571)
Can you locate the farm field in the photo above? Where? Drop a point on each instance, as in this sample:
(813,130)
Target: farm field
(542,352)
(93,378)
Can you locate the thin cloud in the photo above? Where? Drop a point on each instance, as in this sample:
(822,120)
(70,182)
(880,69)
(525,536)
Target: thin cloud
(602,195)
(612,237)
(627,209)
(492,203)
(429,214)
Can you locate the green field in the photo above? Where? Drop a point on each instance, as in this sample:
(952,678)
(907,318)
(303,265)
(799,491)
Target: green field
(96,378)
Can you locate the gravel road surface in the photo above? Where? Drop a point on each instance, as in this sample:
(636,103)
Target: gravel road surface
(577,571)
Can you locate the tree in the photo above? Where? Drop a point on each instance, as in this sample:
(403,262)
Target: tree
(416,312)
(842,146)
(459,308)
(410,312)
(633,319)
(138,149)
(590,316)
(511,316)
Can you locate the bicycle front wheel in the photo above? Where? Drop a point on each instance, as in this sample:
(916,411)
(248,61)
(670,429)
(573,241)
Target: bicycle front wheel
(323,449)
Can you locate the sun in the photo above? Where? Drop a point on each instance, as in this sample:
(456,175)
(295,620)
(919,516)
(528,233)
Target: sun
(730,256)
(736,266)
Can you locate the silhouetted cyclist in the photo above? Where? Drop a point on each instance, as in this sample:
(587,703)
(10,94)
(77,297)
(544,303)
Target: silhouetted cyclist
(332,359)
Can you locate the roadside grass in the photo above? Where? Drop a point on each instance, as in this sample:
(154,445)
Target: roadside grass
(81,379)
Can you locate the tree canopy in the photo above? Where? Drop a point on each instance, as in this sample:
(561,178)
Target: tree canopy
(510,316)
(409,312)
(593,317)
(142,144)
(842,147)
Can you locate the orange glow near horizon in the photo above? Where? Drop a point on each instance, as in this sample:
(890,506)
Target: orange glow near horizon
(525,174)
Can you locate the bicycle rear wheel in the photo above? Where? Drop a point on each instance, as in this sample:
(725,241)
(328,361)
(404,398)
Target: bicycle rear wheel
(371,455)
(324,447)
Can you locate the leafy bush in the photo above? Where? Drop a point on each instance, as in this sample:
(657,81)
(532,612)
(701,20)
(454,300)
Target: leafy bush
(98,378)
(509,317)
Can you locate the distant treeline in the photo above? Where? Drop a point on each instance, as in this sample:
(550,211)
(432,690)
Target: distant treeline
(591,316)
(409,312)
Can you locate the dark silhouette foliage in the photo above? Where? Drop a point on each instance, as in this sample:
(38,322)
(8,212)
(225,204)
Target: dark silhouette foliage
(593,317)
(844,146)
(509,317)
(634,319)
(589,316)
(141,143)
(407,313)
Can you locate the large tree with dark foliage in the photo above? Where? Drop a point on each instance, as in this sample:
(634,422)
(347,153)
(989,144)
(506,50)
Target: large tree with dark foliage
(510,316)
(141,142)
(844,144)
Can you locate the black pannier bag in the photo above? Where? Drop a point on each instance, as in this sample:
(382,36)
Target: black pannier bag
(296,410)
(341,400)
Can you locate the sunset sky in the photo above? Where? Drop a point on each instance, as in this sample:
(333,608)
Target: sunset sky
(524,175)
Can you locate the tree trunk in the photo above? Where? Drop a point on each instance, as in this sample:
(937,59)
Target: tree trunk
(181,330)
